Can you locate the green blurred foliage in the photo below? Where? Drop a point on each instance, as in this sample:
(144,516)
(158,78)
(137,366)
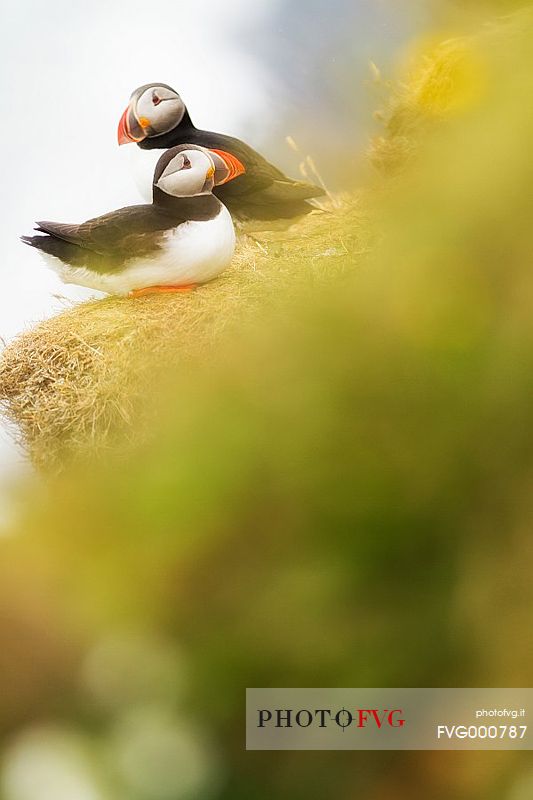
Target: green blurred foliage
(341,496)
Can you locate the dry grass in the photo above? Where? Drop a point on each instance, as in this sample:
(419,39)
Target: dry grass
(74,385)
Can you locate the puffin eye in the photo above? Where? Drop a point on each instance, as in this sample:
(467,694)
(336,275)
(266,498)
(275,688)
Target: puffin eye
(186,162)
(155,99)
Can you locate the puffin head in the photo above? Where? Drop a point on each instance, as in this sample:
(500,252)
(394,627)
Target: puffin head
(185,171)
(154,109)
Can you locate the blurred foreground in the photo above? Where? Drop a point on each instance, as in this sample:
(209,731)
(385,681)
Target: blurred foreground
(338,493)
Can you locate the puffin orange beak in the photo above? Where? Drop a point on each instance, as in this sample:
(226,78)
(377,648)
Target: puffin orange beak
(122,133)
(234,166)
(129,129)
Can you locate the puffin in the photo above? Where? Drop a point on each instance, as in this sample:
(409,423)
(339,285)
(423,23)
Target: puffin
(252,189)
(185,237)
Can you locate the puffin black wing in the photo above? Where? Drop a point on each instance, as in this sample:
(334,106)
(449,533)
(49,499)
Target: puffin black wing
(106,243)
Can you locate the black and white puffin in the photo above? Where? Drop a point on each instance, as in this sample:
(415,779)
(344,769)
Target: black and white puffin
(157,118)
(183,238)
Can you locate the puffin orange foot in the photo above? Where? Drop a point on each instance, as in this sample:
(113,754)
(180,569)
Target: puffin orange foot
(162,290)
